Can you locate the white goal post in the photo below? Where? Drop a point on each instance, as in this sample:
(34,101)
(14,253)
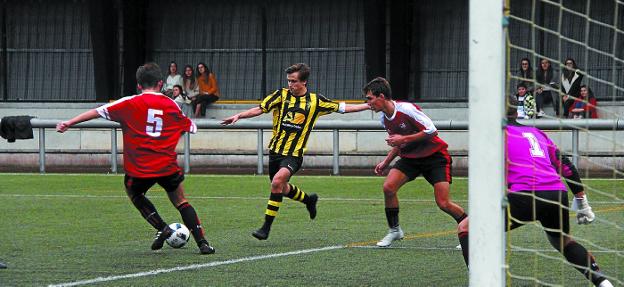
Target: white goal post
(486,159)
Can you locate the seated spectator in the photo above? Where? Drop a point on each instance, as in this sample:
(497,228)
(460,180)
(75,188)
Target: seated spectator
(172,79)
(526,72)
(526,103)
(585,105)
(189,85)
(546,89)
(571,78)
(208,89)
(182,100)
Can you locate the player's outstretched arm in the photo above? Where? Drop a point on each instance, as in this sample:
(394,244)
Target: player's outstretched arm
(356,108)
(253,112)
(88,115)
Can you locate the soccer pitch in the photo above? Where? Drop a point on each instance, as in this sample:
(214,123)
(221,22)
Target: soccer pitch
(81,229)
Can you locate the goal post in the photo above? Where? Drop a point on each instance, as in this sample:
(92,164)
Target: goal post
(486,159)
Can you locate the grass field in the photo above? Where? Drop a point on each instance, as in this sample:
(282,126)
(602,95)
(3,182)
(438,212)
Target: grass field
(63,229)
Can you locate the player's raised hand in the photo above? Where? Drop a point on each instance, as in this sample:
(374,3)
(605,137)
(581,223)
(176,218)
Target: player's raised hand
(230,120)
(62,127)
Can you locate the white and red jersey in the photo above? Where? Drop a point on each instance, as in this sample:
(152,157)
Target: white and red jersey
(152,124)
(409,119)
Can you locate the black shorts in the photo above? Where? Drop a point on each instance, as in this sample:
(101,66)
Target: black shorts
(552,215)
(434,168)
(137,185)
(277,161)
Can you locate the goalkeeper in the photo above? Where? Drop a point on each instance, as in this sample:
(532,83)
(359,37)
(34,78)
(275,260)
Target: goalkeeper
(536,193)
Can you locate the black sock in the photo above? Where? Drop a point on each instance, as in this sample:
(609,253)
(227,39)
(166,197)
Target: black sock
(463,241)
(392,215)
(297,194)
(460,218)
(275,200)
(191,220)
(148,211)
(578,255)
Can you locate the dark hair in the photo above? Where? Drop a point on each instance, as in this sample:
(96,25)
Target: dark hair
(521,85)
(569,73)
(169,68)
(191,78)
(179,87)
(528,61)
(590,93)
(207,70)
(528,74)
(378,86)
(544,76)
(571,60)
(302,68)
(149,75)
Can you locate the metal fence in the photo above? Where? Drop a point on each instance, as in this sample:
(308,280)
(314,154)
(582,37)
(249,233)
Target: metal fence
(335,126)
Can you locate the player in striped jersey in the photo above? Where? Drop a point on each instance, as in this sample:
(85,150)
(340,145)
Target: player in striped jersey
(413,138)
(295,111)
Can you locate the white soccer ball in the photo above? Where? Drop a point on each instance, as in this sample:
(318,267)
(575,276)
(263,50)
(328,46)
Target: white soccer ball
(180,235)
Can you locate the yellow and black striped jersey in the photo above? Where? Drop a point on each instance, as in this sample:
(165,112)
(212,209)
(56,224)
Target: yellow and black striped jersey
(293,119)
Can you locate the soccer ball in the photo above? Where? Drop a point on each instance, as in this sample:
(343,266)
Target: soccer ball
(180,235)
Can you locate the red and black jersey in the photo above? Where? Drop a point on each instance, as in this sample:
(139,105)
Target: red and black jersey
(409,119)
(152,124)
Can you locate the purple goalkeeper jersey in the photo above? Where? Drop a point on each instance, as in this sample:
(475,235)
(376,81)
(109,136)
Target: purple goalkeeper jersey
(531,160)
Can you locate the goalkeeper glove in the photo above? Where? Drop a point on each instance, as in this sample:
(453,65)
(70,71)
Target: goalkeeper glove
(584,213)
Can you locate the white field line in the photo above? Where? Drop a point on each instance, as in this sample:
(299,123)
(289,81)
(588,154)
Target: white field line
(194,266)
(239,198)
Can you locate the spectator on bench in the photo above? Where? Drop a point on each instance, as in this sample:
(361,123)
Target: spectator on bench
(172,79)
(208,89)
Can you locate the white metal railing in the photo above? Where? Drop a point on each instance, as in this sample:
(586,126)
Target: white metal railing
(334,125)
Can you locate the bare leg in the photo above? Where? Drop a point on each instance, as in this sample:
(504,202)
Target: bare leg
(443,200)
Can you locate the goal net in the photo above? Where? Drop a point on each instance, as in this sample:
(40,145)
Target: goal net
(565,66)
